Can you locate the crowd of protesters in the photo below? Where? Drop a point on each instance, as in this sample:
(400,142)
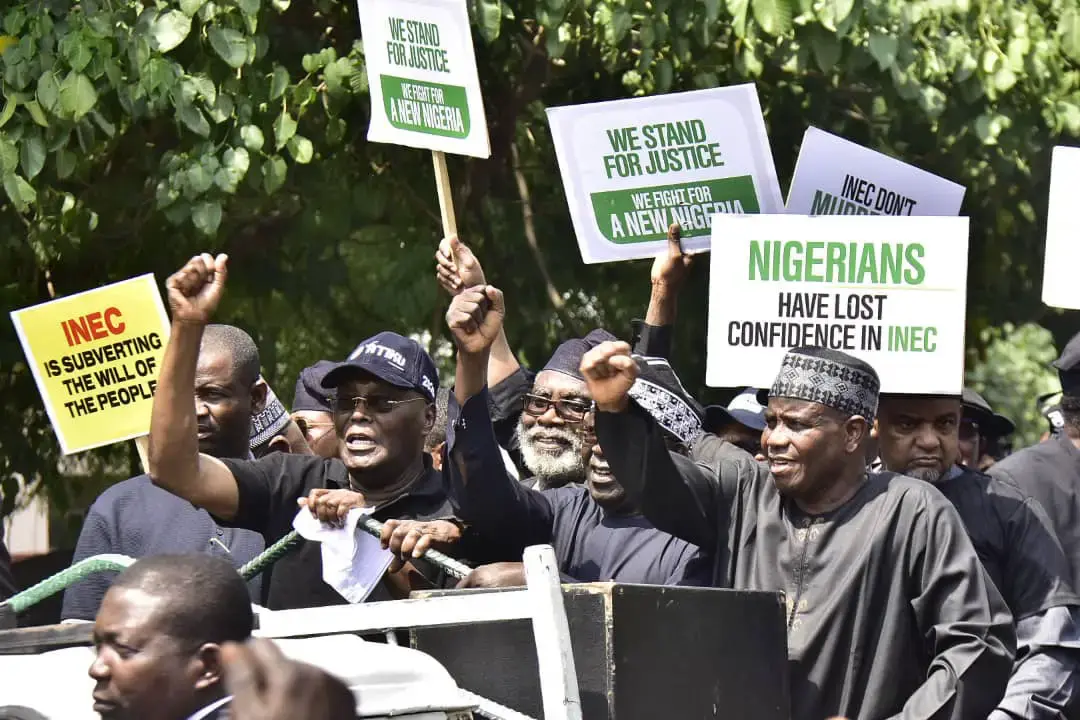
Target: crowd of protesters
(924,576)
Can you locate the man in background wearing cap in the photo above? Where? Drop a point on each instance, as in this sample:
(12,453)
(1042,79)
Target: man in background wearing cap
(982,432)
(313,410)
(272,430)
(1050,471)
(919,437)
(138,519)
(383,412)
(740,423)
(888,610)
(598,532)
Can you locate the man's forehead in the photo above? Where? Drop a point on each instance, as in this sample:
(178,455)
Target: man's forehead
(796,407)
(129,611)
(557,384)
(919,406)
(214,365)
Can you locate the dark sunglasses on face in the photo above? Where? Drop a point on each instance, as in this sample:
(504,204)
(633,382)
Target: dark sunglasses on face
(376,404)
(969,429)
(569,410)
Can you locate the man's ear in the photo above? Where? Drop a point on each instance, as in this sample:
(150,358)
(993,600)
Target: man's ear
(429,418)
(279,443)
(208,666)
(857,430)
(258,396)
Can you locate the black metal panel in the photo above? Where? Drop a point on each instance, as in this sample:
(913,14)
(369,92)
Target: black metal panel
(641,652)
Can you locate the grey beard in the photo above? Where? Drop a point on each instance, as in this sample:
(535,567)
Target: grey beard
(552,470)
(929,475)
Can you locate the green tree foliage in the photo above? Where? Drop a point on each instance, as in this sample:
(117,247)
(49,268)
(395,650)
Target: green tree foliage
(136,132)
(1013,372)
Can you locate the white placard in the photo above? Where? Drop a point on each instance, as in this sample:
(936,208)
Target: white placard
(425,92)
(836,177)
(1060,288)
(630,168)
(889,290)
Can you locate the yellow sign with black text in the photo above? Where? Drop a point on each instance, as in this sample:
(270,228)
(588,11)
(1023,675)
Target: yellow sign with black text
(95,357)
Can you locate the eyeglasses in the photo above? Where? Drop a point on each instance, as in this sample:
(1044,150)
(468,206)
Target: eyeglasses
(569,410)
(375,403)
(969,429)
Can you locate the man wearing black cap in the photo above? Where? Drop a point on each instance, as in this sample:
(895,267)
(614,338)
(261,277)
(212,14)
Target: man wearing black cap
(919,437)
(740,423)
(1050,471)
(383,412)
(138,519)
(889,612)
(981,431)
(598,533)
(313,410)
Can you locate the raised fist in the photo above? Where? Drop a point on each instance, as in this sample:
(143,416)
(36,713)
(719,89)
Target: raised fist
(609,371)
(671,268)
(456,268)
(475,318)
(196,289)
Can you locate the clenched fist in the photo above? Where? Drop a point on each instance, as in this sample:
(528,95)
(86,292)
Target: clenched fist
(609,371)
(456,267)
(475,319)
(196,289)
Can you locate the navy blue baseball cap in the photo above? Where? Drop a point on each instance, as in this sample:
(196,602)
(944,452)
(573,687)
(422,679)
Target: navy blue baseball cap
(393,359)
(309,393)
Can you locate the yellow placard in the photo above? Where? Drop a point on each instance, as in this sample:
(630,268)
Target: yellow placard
(95,357)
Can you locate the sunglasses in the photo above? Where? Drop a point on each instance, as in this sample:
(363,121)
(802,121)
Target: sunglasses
(969,429)
(569,410)
(376,404)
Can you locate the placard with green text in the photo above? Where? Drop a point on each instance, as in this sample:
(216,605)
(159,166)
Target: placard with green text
(889,290)
(834,176)
(425,92)
(631,168)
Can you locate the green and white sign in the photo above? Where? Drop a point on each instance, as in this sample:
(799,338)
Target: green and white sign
(834,176)
(889,290)
(631,168)
(425,92)
(1060,288)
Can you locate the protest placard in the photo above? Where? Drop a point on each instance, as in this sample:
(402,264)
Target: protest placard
(425,91)
(630,168)
(1060,288)
(836,177)
(95,357)
(889,290)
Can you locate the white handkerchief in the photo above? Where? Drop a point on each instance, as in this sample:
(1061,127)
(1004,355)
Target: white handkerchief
(353,561)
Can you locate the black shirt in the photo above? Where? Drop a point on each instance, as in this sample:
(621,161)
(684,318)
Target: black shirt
(269,488)
(1013,537)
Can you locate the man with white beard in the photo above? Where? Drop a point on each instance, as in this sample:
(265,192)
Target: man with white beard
(551,433)
(598,532)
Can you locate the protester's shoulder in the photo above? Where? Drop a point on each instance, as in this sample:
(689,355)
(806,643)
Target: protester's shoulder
(717,456)
(121,494)
(1023,460)
(570,496)
(909,492)
(292,469)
